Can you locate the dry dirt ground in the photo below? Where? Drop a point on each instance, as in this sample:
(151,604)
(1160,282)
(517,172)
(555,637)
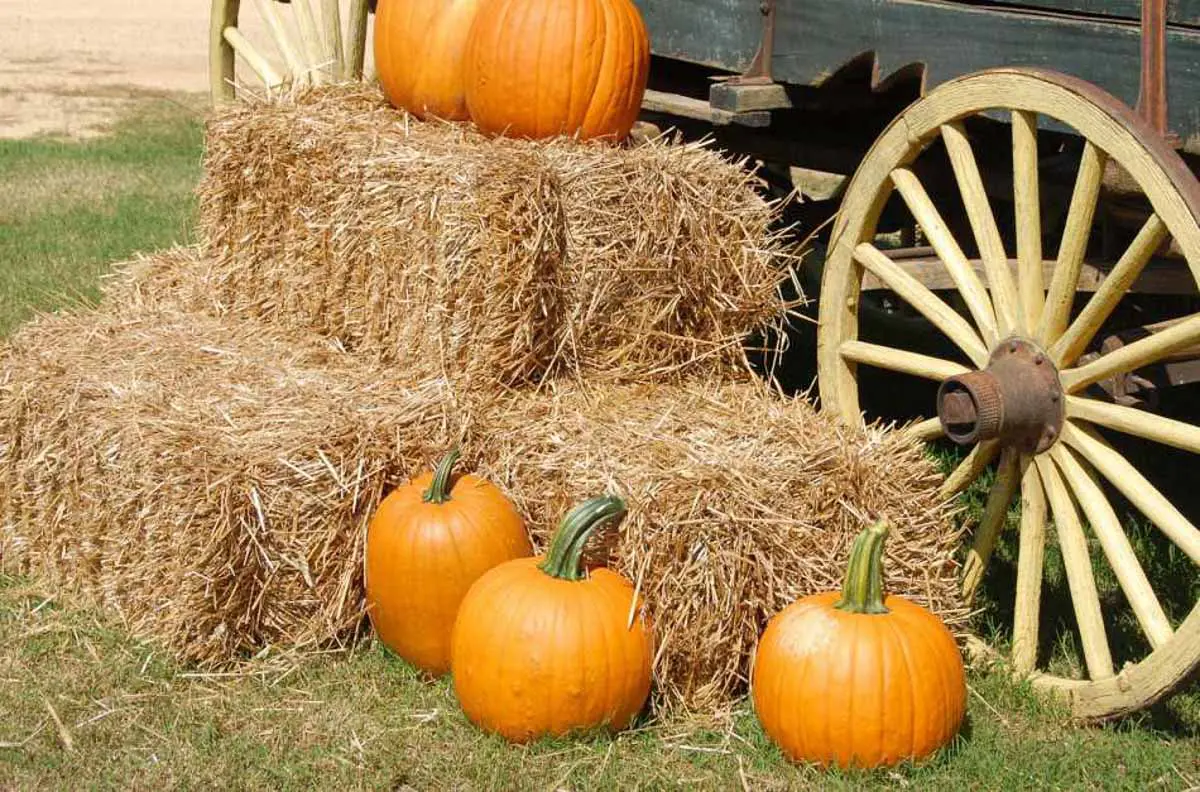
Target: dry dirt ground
(67,67)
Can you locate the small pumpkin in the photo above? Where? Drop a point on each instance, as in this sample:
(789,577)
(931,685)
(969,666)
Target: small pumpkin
(857,679)
(544,648)
(580,68)
(419,49)
(426,544)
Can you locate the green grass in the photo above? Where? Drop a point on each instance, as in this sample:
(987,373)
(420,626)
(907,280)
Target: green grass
(366,720)
(131,718)
(69,209)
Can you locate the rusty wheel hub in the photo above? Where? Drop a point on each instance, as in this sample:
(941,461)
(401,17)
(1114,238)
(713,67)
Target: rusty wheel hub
(1017,399)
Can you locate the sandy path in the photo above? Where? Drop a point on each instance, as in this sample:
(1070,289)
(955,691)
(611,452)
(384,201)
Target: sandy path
(67,66)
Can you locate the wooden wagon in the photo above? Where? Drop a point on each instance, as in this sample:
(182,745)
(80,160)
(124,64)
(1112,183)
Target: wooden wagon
(1006,226)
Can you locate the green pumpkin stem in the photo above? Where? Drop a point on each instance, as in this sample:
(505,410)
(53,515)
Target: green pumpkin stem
(439,490)
(862,591)
(564,559)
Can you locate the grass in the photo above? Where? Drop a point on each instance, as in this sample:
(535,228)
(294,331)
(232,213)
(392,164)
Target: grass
(84,704)
(130,718)
(69,209)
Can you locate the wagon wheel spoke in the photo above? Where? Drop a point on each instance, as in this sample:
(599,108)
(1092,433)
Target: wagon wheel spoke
(1144,352)
(969,469)
(1008,477)
(331,19)
(1028,216)
(1074,243)
(266,71)
(948,250)
(1134,486)
(1071,344)
(308,38)
(899,360)
(1031,556)
(310,35)
(282,39)
(1009,314)
(929,429)
(1136,422)
(1116,547)
(1080,581)
(916,294)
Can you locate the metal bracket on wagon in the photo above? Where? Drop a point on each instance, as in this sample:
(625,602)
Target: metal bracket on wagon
(754,90)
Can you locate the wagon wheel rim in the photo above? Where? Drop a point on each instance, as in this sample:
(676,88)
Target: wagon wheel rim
(1019,335)
(292,43)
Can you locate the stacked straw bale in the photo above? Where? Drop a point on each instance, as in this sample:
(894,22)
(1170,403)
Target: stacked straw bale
(504,261)
(740,502)
(209,481)
(202,454)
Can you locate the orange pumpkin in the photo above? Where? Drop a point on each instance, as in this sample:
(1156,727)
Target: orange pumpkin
(543,648)
(858,680)
(580,68)
(426,544)
(419,48)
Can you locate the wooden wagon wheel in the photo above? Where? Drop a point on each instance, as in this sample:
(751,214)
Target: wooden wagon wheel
(1023,398)
(307,44)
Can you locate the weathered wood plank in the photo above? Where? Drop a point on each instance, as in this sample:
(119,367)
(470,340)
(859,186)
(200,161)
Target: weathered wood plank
(743,98)
(1160,276)
(955,39)
(720,33)
(699,110)
(1179,12)
(815,37)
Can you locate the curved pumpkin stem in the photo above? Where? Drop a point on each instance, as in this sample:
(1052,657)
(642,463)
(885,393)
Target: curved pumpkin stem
(564,559)
(439,490)
(862,591)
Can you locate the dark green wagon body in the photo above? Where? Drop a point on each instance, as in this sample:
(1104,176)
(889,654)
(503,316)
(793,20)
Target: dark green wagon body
(1097,40)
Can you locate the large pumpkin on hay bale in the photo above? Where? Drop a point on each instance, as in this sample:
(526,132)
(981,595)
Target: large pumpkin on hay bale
(543,647)
(856,679)
(419,47)
(427,543)
(580,70)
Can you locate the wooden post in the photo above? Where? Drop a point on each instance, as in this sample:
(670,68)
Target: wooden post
(221,56)
(358,38)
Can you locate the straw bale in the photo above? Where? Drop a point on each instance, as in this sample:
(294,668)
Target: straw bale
(210,481)
(502,261)
(740,502)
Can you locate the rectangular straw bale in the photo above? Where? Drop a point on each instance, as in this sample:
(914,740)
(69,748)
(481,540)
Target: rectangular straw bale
(502,260)
(740,502)
(210,481)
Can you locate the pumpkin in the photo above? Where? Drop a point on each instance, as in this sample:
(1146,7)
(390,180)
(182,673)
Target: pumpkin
(543,647)
(580,68)
(857,679)
(419,48)
(427,543)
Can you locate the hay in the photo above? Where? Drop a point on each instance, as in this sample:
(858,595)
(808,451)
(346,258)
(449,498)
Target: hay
(202,454)
(740,502)
(208,481)
(503,261)
(211,481)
